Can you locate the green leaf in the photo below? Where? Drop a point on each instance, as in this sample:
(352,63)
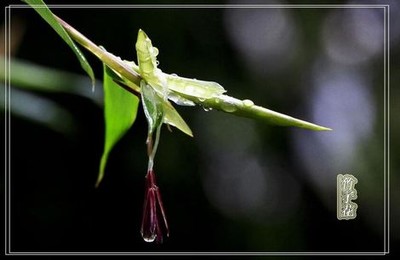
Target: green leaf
(41,8)
(246,108)
(120,110)
(172,117)
(152,106)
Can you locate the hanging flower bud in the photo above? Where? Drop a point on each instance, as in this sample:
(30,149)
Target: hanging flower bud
(153,226)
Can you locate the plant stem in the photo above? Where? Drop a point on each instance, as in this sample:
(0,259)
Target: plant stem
(109,59)
(244,108)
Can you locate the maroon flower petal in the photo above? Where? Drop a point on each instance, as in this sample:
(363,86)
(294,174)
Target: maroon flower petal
(160,204)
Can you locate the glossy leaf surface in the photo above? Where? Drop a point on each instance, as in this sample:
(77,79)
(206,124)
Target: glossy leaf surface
(120,110)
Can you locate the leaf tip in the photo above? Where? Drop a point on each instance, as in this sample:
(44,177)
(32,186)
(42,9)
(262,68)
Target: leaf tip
(93,86)
(99,179)
(323,128)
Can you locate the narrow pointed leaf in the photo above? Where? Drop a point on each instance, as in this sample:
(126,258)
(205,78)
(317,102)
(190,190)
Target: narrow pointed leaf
(120,110)
(246,108)
(172,117)
(40,7)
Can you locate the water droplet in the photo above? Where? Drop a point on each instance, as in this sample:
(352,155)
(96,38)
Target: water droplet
(228,107)
(180,100)
(248,103)
(155,51)
(150,238)
(174,75)
(157,62)
(202,99)
(207,109)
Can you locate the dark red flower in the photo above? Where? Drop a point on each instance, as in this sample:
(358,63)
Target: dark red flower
(152,225)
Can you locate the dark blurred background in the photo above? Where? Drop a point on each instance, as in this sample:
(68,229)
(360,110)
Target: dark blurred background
(239,184)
